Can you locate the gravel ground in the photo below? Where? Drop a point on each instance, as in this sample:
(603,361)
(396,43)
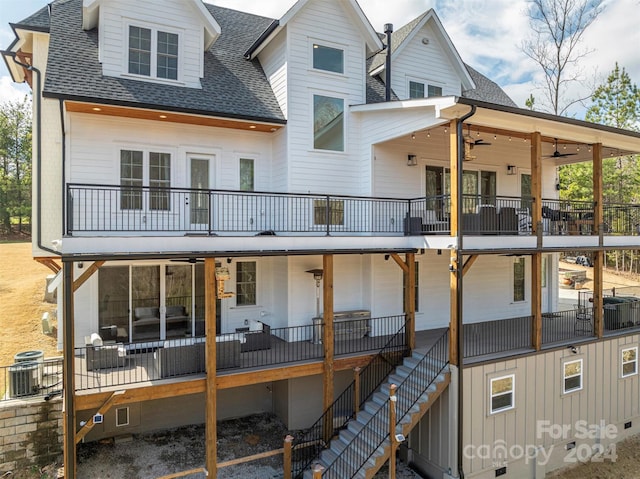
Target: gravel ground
(151,456)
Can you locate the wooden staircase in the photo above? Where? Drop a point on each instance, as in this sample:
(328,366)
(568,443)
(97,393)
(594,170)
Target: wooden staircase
(364,446)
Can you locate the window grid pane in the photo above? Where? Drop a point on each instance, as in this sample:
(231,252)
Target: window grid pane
(328,59)
(416,90)
(139,51)
(502,393)
(246,283)
(518,280)
(572,376)
(159,177)
(433,90)
(167,55)
(131,180)
(629,361)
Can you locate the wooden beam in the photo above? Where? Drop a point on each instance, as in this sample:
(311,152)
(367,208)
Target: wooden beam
(455,224)
(84,430)
(410,301)
(210,358)
(328,343)
(598,220)
(184,473)
(86,275)
(469,263)
(254,457)
(536,181)
(536,301)
(49,263)
(396,257)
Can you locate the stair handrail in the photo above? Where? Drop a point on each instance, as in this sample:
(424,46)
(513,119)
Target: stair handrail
(313,436)
(439,347)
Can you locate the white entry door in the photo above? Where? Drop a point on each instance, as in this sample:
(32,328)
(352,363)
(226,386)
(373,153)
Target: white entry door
(201,178)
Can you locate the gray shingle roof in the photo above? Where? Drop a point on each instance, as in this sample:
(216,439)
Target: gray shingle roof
(397,38)
(38,21)
(486,90)
(232,86)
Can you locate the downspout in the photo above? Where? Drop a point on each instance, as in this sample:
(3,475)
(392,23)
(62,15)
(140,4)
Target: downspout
(64,166)
(459,274)
(39,152)
(388,30)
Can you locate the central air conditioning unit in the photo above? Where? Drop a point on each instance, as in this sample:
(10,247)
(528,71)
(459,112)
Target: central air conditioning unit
(24,379)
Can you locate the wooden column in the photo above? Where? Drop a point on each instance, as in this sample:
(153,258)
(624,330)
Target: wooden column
(536,224)
(68,374)
(536,301)
(288,443)
(410,301)
(210,356)
(598,260)
(327,342)
(455,224)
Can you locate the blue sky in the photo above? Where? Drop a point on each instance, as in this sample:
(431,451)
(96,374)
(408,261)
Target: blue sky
(486,33)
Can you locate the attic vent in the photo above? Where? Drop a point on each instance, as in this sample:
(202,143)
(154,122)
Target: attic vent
(425,41)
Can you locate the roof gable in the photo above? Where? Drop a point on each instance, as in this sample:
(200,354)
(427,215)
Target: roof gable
(353,10)
(403,37)
(90,9)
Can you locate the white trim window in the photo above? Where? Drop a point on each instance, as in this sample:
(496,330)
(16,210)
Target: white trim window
(519,280)
(417,89)
(327,58)
(571,376)
(246,283)
(247,174)
(328,123)
(133,178)
(122,416)
(502,393)
(629,362)
(153,53)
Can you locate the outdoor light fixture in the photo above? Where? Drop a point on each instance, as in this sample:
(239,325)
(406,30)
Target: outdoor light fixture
(317,275)
(413,136)
(511,170)
(573,349)
(412,160)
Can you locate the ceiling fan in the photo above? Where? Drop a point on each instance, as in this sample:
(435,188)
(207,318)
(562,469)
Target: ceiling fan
(471,141)
(557,154)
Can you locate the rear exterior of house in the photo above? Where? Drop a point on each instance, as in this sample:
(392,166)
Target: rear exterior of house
(245,224)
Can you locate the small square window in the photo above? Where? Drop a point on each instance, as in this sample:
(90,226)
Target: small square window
(629,361)
(502,393)
(416,89)
(433,90)
(572,376)
(328,59)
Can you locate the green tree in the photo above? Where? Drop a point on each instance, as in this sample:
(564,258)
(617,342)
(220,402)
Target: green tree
(15,162)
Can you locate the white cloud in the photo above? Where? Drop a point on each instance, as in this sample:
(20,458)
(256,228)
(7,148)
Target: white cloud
(10,91)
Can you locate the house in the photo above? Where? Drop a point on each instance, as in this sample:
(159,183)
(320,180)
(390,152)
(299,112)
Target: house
(253,214)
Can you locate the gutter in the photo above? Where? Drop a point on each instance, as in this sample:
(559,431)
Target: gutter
(263,36)
(39,152)
(458,272)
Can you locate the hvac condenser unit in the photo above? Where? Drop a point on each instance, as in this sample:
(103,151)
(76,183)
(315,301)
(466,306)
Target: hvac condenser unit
(24,379)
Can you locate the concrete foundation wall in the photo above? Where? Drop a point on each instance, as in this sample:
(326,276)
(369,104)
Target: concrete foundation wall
(30,433)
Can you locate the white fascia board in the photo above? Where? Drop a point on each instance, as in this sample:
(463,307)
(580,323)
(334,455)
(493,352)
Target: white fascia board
(90,9)
(439,103)
(211,26)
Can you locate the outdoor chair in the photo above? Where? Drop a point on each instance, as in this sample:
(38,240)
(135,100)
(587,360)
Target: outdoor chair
(584,320)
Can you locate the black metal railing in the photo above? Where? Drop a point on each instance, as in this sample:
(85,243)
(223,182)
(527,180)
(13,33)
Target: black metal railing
(31,379)
(103,208)
(620,219)
(375,432)
(492,337)
(562,217)
(564,326)
(309,443)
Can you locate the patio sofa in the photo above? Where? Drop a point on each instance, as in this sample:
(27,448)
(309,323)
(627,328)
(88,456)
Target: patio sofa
(103,356)
(180,357)
(257,338)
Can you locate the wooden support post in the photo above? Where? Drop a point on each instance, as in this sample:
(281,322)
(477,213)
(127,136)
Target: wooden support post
(356,391)
(328,343)
(317,471)
(396,257)
(68,374)
(469,263)
(84,430)
(598,307)
(455,224)
(392,431)
(410,301)
(210,357)
(536,182)
(536,301)
(288,442)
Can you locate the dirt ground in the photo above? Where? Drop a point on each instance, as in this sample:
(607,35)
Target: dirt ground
(22,283)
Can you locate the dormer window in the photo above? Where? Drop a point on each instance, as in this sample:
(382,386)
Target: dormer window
(328,58)
(154,51)
(417,89)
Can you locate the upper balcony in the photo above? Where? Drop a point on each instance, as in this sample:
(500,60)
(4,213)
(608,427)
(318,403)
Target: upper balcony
(279,221)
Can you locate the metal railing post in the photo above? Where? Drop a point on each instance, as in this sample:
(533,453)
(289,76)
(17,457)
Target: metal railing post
(328,216)
(356,391)
(210,212)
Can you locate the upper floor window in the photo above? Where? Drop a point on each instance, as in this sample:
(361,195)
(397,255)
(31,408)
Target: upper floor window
(433,90)
(328,123)
(328,59)
(518,280)
(247,181)
(417,90)
(132,179)
(153,53)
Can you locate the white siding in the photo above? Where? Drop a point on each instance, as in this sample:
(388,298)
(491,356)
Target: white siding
(175,16)
(318,171)
(273,60)
(538,397)
(427,64)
